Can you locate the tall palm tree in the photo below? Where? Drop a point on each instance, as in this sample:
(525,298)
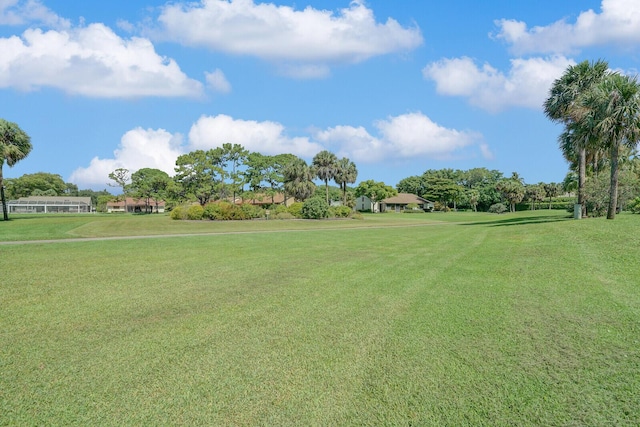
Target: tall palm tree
(325,164)
(15,145)
(298,179)
(615,103)
(346,173)
(564,105)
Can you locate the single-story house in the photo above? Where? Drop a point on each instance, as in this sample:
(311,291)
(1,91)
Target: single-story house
(50,204)
(136,205)
(399,203)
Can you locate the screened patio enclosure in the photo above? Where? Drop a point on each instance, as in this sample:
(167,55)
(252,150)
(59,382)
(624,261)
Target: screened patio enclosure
(36,204)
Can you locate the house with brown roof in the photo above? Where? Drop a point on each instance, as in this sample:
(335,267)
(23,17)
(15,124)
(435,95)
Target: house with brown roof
(136,205)
(400,202)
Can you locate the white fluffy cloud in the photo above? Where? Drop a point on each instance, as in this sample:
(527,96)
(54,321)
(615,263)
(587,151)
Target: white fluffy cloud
(525,85)
(265,137)
(401,137)
(217,81)
(617,24)
(91,61)
(306,40)
(407,136)
(18,12)
(139,148)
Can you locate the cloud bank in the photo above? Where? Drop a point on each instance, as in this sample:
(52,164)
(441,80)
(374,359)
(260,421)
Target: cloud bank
(91,61)
(303,42)
(526,84)
(618,23)
(139,148)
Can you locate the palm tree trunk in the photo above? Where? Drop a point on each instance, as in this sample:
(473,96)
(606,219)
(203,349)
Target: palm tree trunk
(582,178)
(344,193)
(4,201)
(326,186)
(5,214)
(613,188)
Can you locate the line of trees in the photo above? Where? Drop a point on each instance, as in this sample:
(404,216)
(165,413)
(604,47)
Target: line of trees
(478,189)
(231,172)
(600,111)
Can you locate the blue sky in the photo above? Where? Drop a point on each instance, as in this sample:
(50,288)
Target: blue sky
(398,87)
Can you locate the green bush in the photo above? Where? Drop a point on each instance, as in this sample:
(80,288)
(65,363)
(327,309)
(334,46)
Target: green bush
(225,211)
(634,205)
(441,207)
(211,211)
(498,208)
(177,213)
(341,211)
(219,211)
(357,215)
(296,209)
(195,212)
(278,209)
(251,211)
(315,208)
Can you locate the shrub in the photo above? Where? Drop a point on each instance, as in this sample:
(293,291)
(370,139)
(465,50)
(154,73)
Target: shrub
(296,209)
(219,211)
(225,211)
(442,207)
(634,205)
(498,208)
(251,211)
(278,209)
(341,211)
(211,211)
(315,208)
(177,213)
(357,215)
(195,212)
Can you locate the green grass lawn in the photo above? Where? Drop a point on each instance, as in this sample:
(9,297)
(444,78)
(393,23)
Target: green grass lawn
(436,319)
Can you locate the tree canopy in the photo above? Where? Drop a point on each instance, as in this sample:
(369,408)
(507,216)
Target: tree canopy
(15,145)
(375,190)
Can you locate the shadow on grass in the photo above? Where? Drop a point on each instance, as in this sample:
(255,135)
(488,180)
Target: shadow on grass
(522,220)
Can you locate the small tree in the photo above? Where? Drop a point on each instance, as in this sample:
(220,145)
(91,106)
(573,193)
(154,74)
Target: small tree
(551,190)
(298,179)
(15,145)
(325,165)
(121,177)
(512,190)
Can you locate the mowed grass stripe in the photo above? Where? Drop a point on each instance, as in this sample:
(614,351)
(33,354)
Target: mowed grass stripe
(477,324)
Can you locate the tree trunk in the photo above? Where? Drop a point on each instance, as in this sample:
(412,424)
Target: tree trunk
(582,178)
(326,186)
(4,201)
(613,188)
(344,193)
